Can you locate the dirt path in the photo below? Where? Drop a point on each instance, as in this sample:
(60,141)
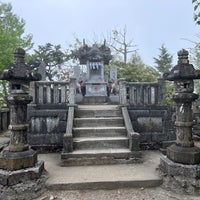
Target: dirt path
(121,194)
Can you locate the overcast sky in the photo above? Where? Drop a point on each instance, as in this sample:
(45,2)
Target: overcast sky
(150,23)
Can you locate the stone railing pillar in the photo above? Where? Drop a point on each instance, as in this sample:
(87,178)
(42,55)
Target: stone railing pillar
(161,91)
(72,91)
(68,137)
(122,92)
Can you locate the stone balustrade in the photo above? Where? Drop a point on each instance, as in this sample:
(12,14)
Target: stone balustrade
(50,92)
(143,93)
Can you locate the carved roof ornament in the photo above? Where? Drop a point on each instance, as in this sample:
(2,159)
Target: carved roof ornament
(183,70)
(94,54)
(18,70)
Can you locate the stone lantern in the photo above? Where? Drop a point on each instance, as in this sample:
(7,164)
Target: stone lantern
(19,155)
(182,162)
(183,74)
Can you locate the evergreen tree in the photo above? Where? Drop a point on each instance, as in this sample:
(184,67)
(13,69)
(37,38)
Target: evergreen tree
(164,60)
(12,30)
(52,56)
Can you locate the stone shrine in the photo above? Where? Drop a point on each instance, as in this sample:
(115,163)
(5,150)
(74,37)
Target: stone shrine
(181,165)
(95,57)
(19,156)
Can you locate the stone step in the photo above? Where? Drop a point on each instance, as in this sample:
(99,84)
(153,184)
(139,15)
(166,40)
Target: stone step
(89,113)
(140,175)
(102,121)
(100,157)
(99,131)
(100,142)
(95,99)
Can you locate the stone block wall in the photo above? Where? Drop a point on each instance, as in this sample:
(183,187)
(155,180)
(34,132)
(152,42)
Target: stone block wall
(47,126)
(154,123)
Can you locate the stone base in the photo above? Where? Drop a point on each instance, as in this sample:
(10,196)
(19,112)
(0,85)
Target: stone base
(8,178)
(180,178)
(184,155)
(17,160)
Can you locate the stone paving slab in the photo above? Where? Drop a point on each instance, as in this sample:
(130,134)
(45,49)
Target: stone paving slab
(103,176)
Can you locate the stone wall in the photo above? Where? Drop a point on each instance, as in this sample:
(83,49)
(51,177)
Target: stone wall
(154,123)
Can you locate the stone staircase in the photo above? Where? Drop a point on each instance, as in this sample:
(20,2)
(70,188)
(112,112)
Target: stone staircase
(99,137)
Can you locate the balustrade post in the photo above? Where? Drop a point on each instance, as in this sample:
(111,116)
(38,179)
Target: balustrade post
(122,92)
(72,91)
(161,91)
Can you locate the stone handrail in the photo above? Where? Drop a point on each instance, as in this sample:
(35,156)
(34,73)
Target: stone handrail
(134,137)
(144,93)
(67,138)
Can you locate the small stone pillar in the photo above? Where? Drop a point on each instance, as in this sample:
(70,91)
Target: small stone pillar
(182,162)
(122,92)
(19,155)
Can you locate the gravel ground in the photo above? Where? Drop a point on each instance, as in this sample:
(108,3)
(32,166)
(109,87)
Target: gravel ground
(120,194)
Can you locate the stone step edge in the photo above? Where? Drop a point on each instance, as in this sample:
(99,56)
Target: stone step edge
(101,128)
(104,184)
(91,139)
(97,118)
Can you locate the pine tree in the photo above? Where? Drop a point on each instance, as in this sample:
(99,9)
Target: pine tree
(164,60)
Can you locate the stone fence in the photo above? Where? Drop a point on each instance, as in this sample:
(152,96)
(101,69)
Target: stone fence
(48,112)
(49,92)
(4,119)
(143,93)
(149,114)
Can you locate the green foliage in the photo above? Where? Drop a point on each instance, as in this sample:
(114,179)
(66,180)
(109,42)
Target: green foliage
(196,11)
(168,94)
(136,72)
(195,56)
(12,30)
(164,60)
(53,57)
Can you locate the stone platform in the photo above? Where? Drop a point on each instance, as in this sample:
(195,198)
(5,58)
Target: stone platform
(180,178)
(102,176)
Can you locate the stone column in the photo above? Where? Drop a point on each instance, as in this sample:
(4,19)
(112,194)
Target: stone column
(72,91)
(18,122)
(113,73)
(161,91)
(122,92)
(42,71)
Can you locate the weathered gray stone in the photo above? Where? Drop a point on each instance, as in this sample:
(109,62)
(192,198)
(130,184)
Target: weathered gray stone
(113,74)
(95,57)
(18,156)
(181,167)
(9,178)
